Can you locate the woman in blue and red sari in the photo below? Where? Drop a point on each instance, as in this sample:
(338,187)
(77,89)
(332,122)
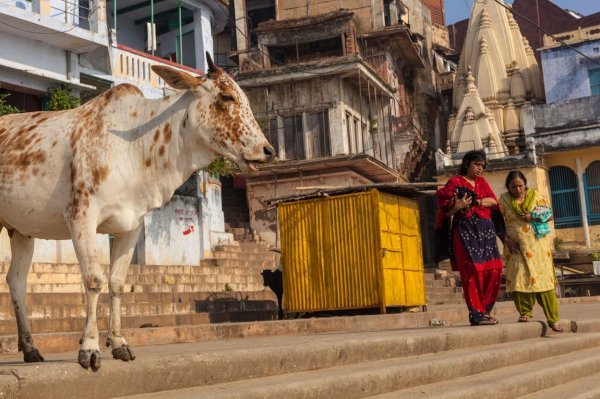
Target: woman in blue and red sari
(468,200)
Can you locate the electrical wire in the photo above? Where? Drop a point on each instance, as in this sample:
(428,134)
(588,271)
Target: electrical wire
(563,43)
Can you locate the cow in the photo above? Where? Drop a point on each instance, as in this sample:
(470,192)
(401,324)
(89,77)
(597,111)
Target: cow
(100,168)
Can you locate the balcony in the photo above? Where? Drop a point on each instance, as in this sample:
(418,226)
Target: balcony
(73,26)
(441,37)
(572,37)
(134,66)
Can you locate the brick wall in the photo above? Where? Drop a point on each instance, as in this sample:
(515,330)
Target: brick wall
(437,11)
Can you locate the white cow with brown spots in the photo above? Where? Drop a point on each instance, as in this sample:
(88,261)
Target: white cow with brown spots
(101,167)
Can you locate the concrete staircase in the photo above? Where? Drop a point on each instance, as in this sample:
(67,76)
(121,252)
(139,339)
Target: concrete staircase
(442,288)
(514,360)
(510,361)
(227,288)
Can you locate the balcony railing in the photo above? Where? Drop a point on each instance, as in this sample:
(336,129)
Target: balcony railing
(380,63)
(75,13)
(441,37)
(574,36)
(135,66)
(75,25)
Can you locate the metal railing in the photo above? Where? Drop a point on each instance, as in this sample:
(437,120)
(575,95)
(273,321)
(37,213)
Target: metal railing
(74,13)
(136,66)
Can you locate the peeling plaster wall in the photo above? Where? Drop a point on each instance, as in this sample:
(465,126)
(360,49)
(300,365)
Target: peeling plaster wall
(575,235)
(265,222)
(567,158)
(52,251)
(172,234)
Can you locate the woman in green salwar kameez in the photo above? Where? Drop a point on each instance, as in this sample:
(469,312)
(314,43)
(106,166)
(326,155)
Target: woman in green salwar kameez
(528,250)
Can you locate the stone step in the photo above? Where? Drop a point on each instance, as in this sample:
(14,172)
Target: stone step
(398,325)
(239,263)
(76,324)
(206,268)
(244,247)
(580,388)
(512,382)
(443,290)
(43,306)
(261,256)
(376,364)
(139,297)
(150,283)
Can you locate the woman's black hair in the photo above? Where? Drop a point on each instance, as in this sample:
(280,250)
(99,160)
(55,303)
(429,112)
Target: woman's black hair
(469,158)
(512,175)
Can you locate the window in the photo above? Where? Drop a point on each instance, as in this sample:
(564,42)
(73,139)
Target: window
(565,197)
(358,136)
(306,51)
(595,81)
(273,135)
(318,133)
(369,140)
(258,11)
(349,135)
(592,192)
(84,14)
(293,135)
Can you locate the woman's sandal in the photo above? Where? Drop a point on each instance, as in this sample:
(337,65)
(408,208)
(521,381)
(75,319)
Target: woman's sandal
(524,318)
(556,327)
(485,322)
(491,318)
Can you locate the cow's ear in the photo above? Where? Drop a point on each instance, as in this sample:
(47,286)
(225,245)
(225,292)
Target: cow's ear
(176,79)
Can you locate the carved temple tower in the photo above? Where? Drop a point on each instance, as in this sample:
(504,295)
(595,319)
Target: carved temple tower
(496,77)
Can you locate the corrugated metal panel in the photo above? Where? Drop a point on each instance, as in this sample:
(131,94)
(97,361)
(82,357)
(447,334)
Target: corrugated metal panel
(351,251)
(329,253)
(402,248)
(412,246)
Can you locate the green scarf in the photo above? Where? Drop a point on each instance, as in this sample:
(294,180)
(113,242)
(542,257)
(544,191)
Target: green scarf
(527,205)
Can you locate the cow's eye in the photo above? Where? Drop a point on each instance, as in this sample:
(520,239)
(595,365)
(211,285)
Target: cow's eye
(227,98)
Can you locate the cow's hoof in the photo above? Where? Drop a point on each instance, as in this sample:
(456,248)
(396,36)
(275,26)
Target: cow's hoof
(89,358)
(32,355)
(124,353)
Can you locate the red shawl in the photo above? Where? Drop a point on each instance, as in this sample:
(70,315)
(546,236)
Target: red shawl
(445,194)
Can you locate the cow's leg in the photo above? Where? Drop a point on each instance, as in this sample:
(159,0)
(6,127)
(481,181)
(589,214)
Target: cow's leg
(122,252)
(22,253)
(83,234)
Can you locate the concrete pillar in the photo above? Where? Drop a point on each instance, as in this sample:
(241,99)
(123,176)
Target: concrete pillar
(584,220)
(203,36)
(241,25)
(393,13)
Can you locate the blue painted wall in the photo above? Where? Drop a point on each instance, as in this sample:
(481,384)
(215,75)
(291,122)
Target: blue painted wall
(566,74)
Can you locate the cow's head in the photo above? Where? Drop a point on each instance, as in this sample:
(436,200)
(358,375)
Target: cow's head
(220,115)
